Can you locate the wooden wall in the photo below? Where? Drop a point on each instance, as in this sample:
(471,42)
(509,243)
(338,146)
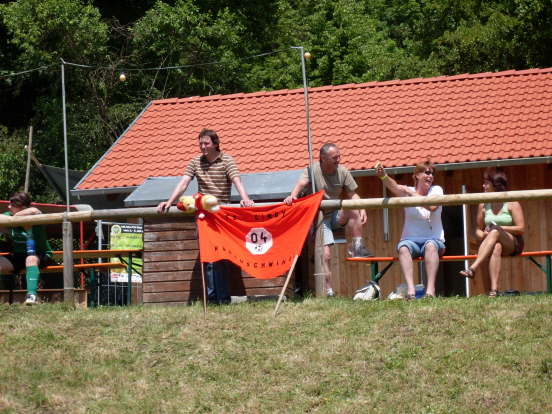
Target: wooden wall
(517,273)
(172,274)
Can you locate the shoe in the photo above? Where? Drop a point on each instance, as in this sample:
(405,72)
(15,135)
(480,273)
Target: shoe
(469,273)
(410,297)
(330,293)
(493,293)
(31,299)
(428,296)
(359,251)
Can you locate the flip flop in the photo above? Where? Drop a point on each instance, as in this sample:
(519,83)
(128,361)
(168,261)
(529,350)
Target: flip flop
(469,273)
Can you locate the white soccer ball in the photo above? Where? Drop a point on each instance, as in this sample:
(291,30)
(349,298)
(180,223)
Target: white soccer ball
(370,291)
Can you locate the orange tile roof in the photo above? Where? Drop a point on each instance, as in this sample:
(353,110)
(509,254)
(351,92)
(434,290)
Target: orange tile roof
(449,119)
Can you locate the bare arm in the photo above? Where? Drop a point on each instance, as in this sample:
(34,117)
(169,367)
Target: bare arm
(29,211)
(299,186)
(180,188)
(481,231)
(245,200)
(391,184)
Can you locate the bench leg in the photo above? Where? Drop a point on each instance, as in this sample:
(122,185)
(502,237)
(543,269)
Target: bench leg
(376,276)
(548,274)
(547,269)
(129,273)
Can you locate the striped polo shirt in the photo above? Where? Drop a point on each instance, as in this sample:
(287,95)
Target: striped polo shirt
(214,178)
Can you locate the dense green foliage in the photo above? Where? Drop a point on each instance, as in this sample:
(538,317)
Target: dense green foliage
(214,44)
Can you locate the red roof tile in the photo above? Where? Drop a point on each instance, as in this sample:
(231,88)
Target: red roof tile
(449,119)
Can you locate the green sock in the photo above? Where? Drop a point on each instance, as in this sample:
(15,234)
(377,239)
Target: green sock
(32,275)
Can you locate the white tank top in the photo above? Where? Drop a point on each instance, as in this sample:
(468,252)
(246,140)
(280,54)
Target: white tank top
(419,222)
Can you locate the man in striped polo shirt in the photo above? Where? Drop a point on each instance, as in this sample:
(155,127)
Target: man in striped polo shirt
(215,173)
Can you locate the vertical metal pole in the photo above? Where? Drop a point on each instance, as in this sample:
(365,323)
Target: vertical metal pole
(548,274)
(465,235)
(129,273)
(385,218)
(65,147)
(29,151)
(319,272)
(68,282)
(307,111)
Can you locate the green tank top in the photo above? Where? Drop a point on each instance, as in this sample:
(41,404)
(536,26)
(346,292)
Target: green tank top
(503,218)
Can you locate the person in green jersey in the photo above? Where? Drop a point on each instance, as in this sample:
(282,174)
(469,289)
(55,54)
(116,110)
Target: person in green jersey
(500,228)
(30,247)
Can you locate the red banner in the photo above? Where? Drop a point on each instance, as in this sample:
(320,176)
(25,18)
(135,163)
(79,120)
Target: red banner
(261,240)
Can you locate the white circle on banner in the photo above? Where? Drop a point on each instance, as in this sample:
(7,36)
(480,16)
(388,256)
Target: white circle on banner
(258,240)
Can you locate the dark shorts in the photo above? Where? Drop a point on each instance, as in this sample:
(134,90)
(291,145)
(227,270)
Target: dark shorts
(519,244)
(18,261)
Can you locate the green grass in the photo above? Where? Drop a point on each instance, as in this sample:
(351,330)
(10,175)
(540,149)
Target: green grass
(329,356)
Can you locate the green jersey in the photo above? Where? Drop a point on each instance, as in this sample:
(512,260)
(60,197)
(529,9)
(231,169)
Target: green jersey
(19,240)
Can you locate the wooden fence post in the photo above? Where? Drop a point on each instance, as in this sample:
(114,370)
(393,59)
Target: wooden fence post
(319,271)
(68,280)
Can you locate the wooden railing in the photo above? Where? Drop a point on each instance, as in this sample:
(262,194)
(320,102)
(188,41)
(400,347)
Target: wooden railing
(375,203)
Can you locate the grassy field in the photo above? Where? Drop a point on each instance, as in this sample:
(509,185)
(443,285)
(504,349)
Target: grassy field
(329,356)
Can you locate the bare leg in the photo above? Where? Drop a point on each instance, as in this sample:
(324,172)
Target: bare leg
(327,263)
(494,266)
(405,259)
(6,267)
(432,266)
(487,246)
(352,218)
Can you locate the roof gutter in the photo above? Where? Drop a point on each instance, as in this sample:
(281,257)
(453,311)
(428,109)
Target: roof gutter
(460,166)
(103,191)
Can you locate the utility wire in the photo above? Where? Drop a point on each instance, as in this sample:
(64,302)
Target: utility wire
(80,65)
(27,71)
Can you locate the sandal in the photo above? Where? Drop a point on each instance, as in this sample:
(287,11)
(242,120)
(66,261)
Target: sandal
(469,273)
(410,297)
(428,296)
(493,293)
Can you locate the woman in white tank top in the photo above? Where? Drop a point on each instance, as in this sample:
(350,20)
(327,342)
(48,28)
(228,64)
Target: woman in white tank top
(422,234)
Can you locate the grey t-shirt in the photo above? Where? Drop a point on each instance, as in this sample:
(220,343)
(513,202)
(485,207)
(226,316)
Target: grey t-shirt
(333,184)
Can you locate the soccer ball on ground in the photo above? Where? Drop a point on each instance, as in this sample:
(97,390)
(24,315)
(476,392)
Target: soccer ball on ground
(370,291)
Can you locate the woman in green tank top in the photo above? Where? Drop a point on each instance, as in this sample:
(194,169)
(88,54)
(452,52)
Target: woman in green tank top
(500,228)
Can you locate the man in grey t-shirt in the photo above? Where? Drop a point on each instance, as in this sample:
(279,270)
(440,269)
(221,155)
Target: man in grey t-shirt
(337,182)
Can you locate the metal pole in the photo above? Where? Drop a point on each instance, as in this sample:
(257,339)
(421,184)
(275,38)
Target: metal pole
(29,151)
(129,279)
(307,111)
(65,147)
(68,282)
(465,235)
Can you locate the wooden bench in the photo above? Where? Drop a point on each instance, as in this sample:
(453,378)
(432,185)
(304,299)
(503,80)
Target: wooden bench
(12,295)
(377,274)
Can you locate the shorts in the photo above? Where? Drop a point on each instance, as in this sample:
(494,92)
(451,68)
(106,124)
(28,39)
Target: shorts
(519,244)
(329,224)
(417,246)
(18,261)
